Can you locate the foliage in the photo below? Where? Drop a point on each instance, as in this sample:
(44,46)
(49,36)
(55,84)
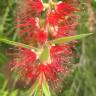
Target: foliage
(80,82)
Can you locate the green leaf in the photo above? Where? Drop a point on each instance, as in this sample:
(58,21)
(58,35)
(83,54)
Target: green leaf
(2,77)
(68,39)
(4,85)
(38,91)
(34,87)
(4,40)
(14,93)
(44,55)
(45,87)
(3,59)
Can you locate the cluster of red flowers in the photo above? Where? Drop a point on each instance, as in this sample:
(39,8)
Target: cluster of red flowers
(60,21)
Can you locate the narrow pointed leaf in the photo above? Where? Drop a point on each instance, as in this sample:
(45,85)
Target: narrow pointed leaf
(34,87)
(68,39)
(45,86)
(3,59)
(14,93)
(4,85)
(44,55)
(17,44)
(38,92)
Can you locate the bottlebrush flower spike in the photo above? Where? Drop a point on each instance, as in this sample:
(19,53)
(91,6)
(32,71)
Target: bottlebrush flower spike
(41,36)
(65,8)
(60,21)
(35,5)
(26,57)
(63,19)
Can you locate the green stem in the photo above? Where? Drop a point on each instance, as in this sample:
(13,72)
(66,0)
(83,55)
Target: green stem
(17,44)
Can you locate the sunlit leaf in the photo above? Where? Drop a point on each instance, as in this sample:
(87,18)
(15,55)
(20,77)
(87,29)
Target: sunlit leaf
(4,85)
(34,87)
(45,86)
(14,93)
(44,55)
(68,39)
(38,92)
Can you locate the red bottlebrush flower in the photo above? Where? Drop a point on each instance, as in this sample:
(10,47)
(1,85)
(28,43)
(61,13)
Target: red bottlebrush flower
(59,22)
(30,67)
(58,15)
(36,5)
(51,70)
(29,8)
(27,22)
(66,49)
(33,71)
(53,18)
(63,19)
(25,57)
(65,31)
(65,8)
(60,54)
(41,36)
(32,7)
(28,18)
(27,28)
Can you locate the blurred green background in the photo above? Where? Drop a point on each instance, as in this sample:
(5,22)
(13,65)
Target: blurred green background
(82,79)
